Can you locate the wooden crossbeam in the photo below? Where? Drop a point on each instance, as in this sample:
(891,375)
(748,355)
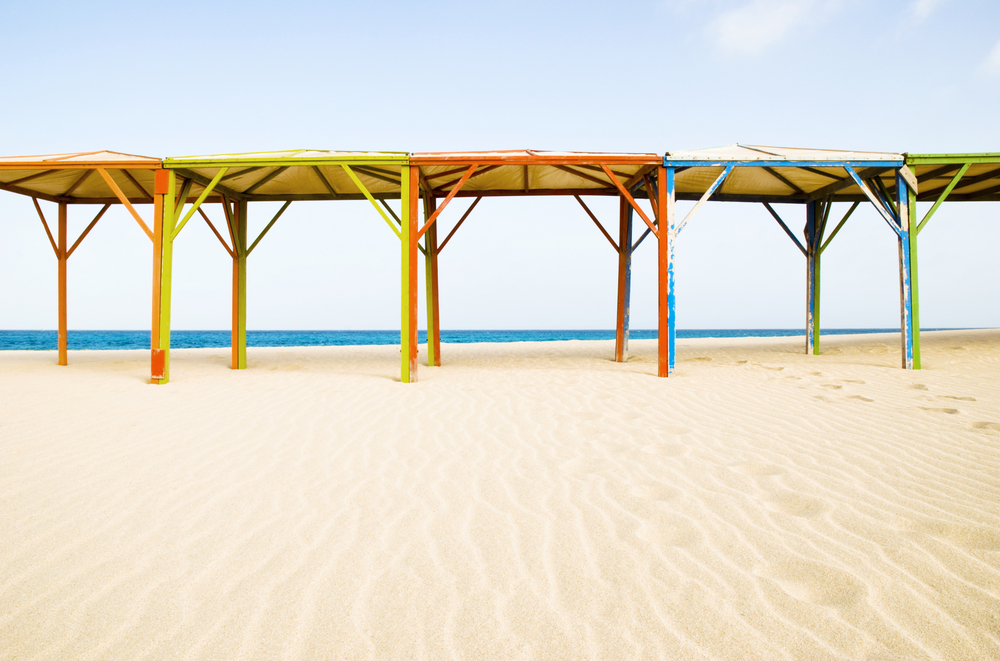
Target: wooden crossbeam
(884,194)
(368,196)
(823,173)
(642,172)
(382,174)
(124,200)
(76,184)
(240,173)
(458,224)
(843,183)
(876,202)
(83,235)
(780,177)
(631,200)
(48,232)
(596,168)
(204,181)
(273,221)
(138,186)
(30,177)
(938,172)
(326,182)
(704,198)
(216,232)
(481,171)
(597,222)
(971,181)
(266,178)
(451,194)
(839,225)
(201,199)
(785,227)
(582,175)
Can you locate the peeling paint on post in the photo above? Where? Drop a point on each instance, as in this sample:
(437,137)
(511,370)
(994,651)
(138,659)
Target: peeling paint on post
(624,279)
(905,291)
(667,319)
(911,210)
(812,280)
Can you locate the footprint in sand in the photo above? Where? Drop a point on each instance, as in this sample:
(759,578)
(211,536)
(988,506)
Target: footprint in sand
(702,359)
(661,533)
(654,491)
(815,583)
(961,399)
(795,504)
(853,381)
(948,411)
(995,426)
(823,398)
(815,373)
(859,397)
(757,468)
(918,386)
(832,386)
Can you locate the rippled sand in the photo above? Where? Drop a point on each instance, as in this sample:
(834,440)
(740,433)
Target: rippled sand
(526,501)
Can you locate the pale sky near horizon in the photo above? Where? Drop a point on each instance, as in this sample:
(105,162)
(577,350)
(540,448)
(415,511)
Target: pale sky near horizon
(194,78)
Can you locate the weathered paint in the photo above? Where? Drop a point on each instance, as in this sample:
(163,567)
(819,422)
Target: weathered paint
(431,283)
(409,213)
(941,198)
(812,280)
(876,201)
(911,211)
(624,279)
(666,326)
(63,256)
(905,291)
(680,163)
(705,196)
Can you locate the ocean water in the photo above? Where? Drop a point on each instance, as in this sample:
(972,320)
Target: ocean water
(44,340)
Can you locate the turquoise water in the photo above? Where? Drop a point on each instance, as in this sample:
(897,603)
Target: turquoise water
(180,339)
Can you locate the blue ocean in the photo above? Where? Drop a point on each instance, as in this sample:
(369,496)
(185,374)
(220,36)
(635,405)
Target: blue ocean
(43,340)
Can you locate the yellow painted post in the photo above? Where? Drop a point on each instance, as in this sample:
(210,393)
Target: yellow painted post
(169,220)
(239,341)
(63,248)
(409,215)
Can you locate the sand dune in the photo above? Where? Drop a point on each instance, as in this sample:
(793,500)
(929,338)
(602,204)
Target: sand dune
(528,501)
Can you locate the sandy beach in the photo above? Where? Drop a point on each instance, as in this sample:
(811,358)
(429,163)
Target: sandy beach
(525,501)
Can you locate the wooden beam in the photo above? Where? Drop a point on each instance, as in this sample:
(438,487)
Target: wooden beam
(87,231)
(451,194)
(458,224)
(971,181)
(777,175)
(31,177)
(48,232)
(204,181)
(597,222)
(326,182)
(839,225)
(240,173)
(361,187)
(76,184)
(216,232)
(628,196)
(138,186)
(704,198)
(481,171)
(124,200)
(263,180)
(846,182)
(938,172)
(785,227)
(273,221)
(823,173)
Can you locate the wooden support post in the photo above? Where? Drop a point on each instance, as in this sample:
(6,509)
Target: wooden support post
(239,340)
(812,278)
(431,279)
(905,288)
(157,367)
(666,325)
(63,257)
(169,219)
(624,278)
(911,211)
(409,214)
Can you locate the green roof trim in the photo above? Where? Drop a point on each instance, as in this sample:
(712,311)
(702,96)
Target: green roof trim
(288,158)
(950,159)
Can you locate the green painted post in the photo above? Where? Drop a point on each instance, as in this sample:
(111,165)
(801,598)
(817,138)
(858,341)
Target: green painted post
(408,263)
(166,269)
(911,200)
(431,284)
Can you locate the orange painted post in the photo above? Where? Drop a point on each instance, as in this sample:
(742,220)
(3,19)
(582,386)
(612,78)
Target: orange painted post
(665,326)
(157,353)
(239,338)
(410,215)
(431,279)
(63,247)
(624,278)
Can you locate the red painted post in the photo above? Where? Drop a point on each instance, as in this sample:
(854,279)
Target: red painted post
(63,247)
(664,202)
(157,358)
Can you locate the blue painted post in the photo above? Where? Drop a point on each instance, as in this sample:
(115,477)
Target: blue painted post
(668,217)
(905,290)
(812,279)
(624,279)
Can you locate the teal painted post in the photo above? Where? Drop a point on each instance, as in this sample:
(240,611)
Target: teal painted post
(905,288)
(812,278)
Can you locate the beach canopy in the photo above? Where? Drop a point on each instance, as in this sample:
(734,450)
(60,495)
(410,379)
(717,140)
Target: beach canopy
(300,174)
(957,177)
(101,177)
(780,174)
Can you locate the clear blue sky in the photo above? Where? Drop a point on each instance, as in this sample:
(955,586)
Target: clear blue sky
(186,78)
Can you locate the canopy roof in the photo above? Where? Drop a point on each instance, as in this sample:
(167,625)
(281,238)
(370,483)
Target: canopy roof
(980,181)
(77,178)
(777,174)
(529,172)
(294,175)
